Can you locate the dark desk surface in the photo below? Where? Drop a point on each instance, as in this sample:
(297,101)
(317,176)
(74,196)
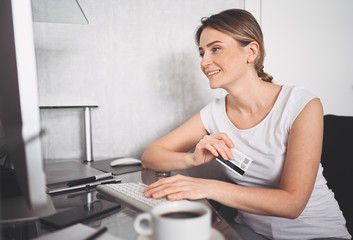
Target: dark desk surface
(119,222)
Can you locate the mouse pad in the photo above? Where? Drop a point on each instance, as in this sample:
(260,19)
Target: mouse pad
(58,172)
(104,165)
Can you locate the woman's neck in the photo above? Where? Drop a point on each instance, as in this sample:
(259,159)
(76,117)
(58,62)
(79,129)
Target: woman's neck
(249,103)
(249,96)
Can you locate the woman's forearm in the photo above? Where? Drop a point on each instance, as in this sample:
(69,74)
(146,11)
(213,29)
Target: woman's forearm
(158,158)
(273,202)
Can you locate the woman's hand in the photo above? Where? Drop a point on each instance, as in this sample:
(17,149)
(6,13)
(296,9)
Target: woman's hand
(179,187)
(210,146)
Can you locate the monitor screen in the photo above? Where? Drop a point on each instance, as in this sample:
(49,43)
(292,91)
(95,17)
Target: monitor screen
(21,152)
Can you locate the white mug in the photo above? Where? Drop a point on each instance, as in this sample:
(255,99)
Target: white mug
(186,220)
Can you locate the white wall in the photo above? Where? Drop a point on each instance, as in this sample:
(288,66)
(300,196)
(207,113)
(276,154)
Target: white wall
(309,42)
(136,59)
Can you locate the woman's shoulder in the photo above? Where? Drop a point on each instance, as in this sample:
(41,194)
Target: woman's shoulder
(296,91)
(213,111)
(294,99)
(216,103)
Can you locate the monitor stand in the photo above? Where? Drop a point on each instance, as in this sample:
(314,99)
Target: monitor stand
(14,207)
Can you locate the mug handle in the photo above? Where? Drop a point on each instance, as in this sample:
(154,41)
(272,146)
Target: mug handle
(142,224)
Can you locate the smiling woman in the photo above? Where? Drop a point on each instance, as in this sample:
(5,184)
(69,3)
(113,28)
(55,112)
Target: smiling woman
(244,29)
(224,60)
(272,132)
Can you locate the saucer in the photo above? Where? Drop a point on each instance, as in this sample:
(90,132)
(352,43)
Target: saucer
(215,235)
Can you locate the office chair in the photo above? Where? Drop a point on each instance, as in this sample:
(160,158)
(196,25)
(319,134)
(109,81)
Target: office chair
(337,161)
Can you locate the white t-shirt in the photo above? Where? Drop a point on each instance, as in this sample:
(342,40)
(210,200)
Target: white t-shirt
(265,144)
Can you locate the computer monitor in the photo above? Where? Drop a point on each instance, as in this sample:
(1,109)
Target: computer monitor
(19,115)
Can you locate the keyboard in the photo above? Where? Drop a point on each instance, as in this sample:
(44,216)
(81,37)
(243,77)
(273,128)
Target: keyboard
(130,193)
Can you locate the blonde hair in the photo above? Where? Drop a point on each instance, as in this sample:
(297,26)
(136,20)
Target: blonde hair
(241,26)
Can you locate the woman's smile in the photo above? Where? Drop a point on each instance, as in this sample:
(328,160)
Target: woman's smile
(212,73)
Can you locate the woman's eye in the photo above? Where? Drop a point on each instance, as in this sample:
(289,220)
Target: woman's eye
(201,54)
(216,49)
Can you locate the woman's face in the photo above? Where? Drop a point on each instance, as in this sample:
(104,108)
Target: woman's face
(224,61)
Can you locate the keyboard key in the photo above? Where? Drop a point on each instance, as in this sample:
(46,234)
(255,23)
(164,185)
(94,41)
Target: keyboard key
(130,193)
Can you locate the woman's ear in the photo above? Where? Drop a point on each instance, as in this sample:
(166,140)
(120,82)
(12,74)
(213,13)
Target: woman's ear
(253,51)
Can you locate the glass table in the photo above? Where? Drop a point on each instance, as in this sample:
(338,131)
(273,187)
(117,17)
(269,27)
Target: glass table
(119,221)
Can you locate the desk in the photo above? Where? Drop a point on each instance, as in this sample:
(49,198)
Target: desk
(120,221)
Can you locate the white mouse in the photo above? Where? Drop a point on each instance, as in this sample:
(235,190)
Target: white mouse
(125,161)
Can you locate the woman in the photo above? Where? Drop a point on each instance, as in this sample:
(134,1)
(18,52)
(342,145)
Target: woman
(281,193)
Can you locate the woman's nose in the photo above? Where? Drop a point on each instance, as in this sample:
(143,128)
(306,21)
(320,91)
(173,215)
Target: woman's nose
(206,61)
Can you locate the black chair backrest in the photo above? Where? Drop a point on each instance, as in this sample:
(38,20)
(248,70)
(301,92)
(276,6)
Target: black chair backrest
(337,161)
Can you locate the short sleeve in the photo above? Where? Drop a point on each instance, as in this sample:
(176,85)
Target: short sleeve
(300,98)
(211,115)
(205,114)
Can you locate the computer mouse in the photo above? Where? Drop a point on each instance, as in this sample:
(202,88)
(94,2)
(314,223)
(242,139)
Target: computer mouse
(125,161)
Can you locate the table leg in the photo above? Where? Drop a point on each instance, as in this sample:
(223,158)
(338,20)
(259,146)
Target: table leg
(88,135)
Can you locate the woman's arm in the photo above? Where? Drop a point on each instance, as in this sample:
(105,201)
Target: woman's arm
(297,182)
(170,153)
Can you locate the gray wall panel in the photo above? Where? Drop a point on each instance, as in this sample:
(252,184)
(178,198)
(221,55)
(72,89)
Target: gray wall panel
(136,59)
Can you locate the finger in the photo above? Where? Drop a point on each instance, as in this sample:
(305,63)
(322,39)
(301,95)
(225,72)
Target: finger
(164,190)
(162,181)
(211,149)
(181,184)
(160,192)
(218,147)
(223,150)
(189,190)
(160,185)
(149,193)
(228,153)
(177,191)
(179,196)
(225,138)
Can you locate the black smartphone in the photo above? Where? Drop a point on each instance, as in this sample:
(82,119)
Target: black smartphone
(79,214)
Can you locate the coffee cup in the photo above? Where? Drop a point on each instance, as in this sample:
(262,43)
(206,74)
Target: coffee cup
(187,220)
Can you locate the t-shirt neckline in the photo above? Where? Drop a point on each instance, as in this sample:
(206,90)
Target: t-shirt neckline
(263,120)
